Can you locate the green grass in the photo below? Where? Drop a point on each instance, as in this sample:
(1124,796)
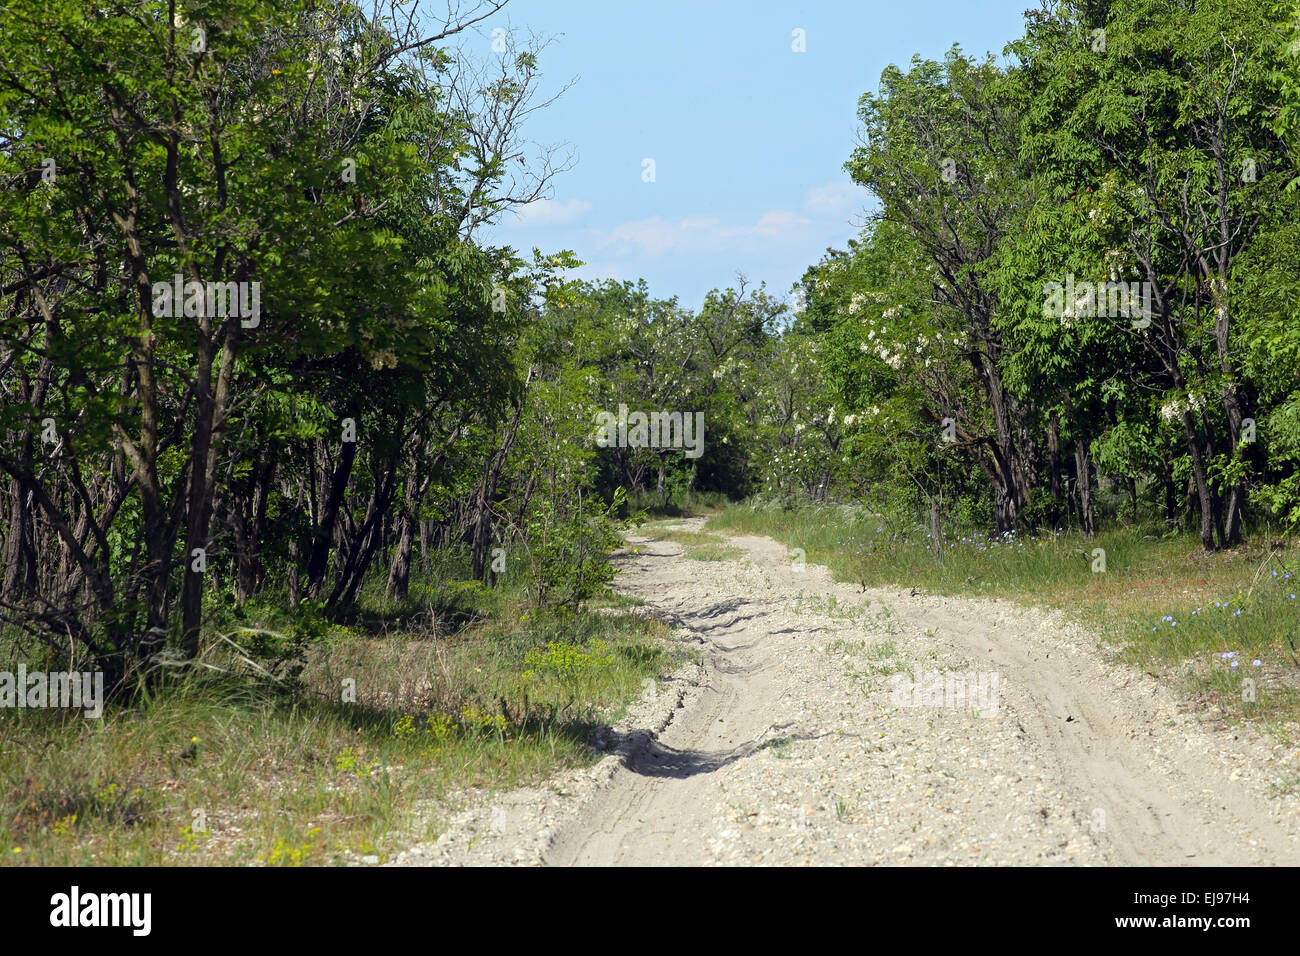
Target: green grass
(868,660)
(233,770)
(700,545)
(1155,598)
(780,747)
(680,505)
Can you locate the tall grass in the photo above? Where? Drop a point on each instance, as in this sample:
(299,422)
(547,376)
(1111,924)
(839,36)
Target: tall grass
(457,687)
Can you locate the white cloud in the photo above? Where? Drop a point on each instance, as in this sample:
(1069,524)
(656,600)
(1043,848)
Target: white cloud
(656,236)
(776,221)
(835,200)
(549,212)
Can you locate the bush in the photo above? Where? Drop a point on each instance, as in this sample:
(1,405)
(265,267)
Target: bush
(569,554)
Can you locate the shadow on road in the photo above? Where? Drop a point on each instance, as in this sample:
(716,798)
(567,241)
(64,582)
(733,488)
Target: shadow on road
(658,760)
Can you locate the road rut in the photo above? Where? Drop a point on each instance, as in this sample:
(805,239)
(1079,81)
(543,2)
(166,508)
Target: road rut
(792,741)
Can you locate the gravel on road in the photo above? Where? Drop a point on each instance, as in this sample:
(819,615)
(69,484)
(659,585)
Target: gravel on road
(823,724)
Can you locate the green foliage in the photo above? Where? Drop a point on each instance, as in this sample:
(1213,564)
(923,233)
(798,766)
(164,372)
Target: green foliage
(569,553)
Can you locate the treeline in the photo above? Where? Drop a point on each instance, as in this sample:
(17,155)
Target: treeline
(1081,269)
(255,349)
(338,362)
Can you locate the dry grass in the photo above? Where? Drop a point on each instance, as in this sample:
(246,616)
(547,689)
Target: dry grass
(237,771)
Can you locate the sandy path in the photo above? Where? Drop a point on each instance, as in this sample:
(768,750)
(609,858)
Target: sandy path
(790,744)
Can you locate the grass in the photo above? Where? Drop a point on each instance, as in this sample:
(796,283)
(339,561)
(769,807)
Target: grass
(780,747)
(1171,609)
(678,505)
(700,545)
(876,660)
(391,710)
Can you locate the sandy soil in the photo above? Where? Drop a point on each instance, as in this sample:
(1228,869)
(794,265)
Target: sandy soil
(798,736)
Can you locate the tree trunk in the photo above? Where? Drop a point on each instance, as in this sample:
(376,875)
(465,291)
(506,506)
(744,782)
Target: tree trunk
(1202,482)
(1083,469)
(1054,469)
(399,572)
(1009,495)
(324,532)
(1171,493)
(19,562)
(1231,532)
(936,528)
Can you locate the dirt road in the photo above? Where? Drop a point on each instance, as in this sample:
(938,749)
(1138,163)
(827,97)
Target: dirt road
(826,725)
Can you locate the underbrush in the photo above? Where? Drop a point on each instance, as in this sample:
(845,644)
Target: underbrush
(314,748)
(678,504)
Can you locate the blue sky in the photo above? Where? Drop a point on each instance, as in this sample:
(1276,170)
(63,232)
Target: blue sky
(748,137)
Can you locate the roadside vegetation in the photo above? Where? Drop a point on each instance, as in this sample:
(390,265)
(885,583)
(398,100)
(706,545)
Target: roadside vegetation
(391,718)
